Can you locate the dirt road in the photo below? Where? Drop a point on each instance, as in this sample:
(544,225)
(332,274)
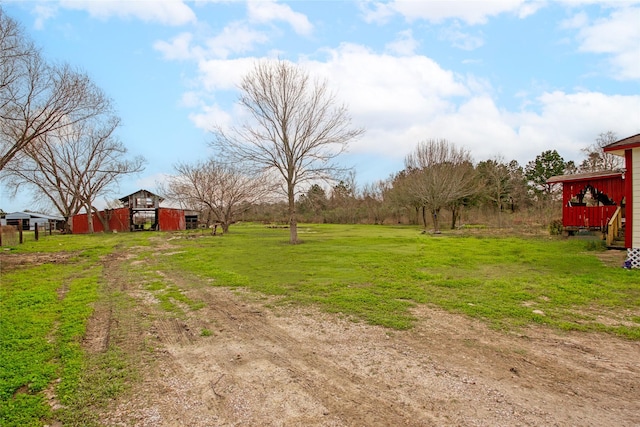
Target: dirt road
(260,364)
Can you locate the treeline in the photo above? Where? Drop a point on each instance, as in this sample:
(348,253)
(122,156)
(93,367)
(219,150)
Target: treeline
(442,187)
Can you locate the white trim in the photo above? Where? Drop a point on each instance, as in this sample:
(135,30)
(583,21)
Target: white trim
(635,189)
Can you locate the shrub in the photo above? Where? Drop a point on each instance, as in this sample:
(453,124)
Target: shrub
(555,227)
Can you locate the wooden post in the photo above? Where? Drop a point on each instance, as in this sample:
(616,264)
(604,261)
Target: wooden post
(20,230)
(35,231)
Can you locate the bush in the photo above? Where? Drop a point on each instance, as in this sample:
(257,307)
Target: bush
(555,227)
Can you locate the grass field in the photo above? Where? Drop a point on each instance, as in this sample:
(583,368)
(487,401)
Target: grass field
(374,274)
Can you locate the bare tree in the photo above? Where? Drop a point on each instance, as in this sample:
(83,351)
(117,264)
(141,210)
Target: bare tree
(597,159)
(296,129)
(72,166)
(14,48)
(220,189)
(37,98)
(373,200)
(400,194)
(497,184)
(442,175)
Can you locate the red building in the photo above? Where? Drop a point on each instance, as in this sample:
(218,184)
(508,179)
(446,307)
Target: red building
(590,200)
(141,211)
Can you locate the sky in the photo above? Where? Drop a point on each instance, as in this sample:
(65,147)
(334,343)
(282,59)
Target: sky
(505,79)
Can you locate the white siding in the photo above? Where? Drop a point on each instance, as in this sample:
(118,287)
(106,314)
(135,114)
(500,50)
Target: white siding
(635,167)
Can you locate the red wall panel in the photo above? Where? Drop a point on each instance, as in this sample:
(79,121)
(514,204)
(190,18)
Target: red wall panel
(171,219)
(118,221)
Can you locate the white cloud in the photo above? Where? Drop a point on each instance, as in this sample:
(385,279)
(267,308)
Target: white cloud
(471,12)
(376,12)
(567,122)
(43,12)
(388,90)
(236,37)
(402,100)
(178,49)
(220,74)
(264,11)
(404,45)
(211,116)
(618,36)
(168,12)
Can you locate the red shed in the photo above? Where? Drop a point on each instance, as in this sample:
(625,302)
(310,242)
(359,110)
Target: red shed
(590,200)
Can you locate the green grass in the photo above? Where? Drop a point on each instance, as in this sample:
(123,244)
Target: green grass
(43,313)
(378,273)
(373,274)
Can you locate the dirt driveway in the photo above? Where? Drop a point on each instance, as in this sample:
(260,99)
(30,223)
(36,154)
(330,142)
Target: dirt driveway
(260,364)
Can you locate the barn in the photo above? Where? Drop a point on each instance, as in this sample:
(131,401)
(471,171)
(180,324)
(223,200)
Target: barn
(140,211)
(629,148)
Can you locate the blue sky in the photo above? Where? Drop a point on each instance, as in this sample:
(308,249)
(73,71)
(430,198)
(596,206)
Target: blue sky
(505,79)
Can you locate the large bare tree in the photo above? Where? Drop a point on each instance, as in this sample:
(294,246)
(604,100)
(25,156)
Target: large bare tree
(296,129)
(597,159)
(441,176)
(221,190)
(35,97)
(74,165)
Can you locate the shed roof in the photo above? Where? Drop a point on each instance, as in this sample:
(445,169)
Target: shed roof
(141,192)
(584,176)
(620,146)
(29,215)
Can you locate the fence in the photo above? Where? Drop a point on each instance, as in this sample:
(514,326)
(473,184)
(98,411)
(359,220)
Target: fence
(13,236)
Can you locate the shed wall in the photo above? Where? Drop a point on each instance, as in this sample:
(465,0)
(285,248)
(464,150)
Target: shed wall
(171,219)
(118,221)
(635,198)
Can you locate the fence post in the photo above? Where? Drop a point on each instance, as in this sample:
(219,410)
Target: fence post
(35,232)
(20,230)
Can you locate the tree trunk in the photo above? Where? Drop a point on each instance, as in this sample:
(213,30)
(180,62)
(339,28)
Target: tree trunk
(293,222)
(424,216)
(435,213)
(89,219)
(66,226)
(104,219)
(454,216)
